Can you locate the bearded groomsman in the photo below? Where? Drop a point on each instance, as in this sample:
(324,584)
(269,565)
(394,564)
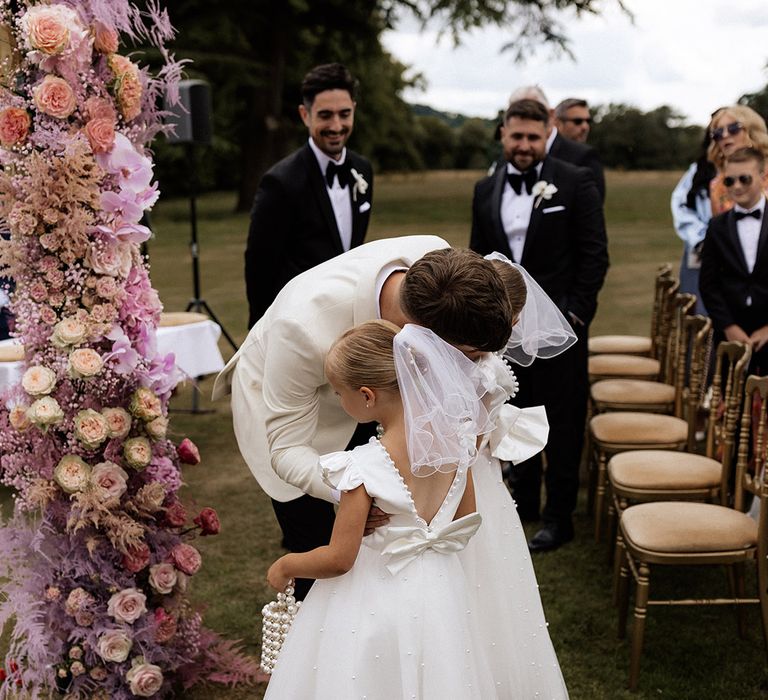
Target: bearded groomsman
(314,204)
(547,215)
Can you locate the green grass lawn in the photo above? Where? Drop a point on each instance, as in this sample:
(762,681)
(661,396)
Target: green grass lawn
(689,653)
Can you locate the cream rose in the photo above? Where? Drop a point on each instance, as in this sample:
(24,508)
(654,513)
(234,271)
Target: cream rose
(127,605)
(162,578)
(109,480)
(144,679)
(45,412)
(47,29)
(14,126)
(145,404)
(100,134)
(137,452)
(54,96)
(69,331)
(157,428)
(72,474)
(112,259)
(118,421)
(84,363)
(38,380)
(91,428)
(114,646)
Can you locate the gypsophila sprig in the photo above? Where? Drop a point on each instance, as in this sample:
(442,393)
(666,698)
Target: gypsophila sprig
(95,584)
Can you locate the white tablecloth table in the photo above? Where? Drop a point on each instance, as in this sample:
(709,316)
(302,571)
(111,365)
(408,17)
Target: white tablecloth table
(195,346)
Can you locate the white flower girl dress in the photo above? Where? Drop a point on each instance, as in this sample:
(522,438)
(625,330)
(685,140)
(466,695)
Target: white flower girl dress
(399,624)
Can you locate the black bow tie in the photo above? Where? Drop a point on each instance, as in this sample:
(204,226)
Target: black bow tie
(756,213)
(529,177)
(340,172)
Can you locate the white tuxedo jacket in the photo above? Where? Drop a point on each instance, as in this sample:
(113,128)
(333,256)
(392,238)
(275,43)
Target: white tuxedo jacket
(284,412)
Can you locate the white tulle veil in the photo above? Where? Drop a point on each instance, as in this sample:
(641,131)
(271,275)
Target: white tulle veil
(541,330)
(441,390)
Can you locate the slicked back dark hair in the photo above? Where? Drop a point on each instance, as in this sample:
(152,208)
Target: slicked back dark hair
(527,109)
(329,76)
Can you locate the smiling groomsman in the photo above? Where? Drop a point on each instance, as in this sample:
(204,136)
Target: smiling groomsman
(314,204)
(547,215)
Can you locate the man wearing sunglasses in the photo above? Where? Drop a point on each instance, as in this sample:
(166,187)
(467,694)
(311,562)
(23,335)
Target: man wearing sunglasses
(734,259)
(573,120)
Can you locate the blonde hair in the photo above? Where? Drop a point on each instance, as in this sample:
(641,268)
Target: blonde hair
(363,356)
(752,122)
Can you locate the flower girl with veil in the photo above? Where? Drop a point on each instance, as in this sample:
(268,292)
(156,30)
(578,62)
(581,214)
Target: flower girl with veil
(389,616)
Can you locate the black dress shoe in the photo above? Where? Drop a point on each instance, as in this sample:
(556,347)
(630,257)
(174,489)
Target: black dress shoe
(551,536)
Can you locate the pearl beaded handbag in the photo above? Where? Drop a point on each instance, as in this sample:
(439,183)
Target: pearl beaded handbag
(277,619)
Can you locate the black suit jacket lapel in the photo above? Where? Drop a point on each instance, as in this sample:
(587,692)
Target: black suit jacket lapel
(761,243)
(500,179)
(358,231)
(535,221)
(733,238)
(320,193)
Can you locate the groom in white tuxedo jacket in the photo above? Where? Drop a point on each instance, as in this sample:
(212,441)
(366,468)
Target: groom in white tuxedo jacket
(285,414)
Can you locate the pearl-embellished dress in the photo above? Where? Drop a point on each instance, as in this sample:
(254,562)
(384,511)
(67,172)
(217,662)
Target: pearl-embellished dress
(505,601)
(400,623)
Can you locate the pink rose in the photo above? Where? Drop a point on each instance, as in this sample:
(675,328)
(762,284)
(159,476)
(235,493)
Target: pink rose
(114,646)
(18,417)
(208,522)
(162,578)
(188,452)
(47,30)
(166,626)
(175,514)
(90,428)
(127,605)
(14,126)
(118,421)
(186,558)
(100,108)
(144,679)
(55,97)
(105,39)
(78,599)
(106,287)
(100,134)
(136,558)
(113,258)
(76,668)
(109,479)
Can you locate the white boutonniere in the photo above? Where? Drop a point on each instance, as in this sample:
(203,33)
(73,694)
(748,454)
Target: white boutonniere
(543,190)
(360,185)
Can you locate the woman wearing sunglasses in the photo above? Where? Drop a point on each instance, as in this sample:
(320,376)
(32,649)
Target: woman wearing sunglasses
(701,194)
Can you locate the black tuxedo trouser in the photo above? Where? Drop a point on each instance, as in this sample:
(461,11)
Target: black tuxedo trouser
(307,522)
(561,384)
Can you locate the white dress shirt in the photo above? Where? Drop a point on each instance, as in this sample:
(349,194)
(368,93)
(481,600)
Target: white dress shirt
(516,214)
(749,232)
(339,196)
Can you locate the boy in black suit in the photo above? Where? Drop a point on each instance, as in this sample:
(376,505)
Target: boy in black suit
(314,204)
(734,259)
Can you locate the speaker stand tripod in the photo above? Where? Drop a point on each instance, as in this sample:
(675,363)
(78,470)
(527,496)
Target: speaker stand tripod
(197,303)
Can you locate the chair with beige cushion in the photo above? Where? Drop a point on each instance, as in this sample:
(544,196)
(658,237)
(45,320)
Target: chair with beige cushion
(640,476)
(11,353)
(685,533)
(634,366)
(638,344)
(621,431)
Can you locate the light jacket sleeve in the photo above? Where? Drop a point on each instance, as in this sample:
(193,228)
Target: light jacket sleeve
(689,225)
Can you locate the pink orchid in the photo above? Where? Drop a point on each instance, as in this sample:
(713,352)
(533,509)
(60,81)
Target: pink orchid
(122,205)
(124,231)
(122,351)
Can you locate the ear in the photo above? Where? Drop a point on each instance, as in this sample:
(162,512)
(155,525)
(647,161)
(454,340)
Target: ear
(369,395)
(305,116)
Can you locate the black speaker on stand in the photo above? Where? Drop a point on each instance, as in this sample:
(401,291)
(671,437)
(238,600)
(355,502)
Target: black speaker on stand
(191,118)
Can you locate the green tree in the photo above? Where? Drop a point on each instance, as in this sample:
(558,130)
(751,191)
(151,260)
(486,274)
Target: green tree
(473,138)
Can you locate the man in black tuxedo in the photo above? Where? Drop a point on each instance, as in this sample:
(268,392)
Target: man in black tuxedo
(560,145)
(314,204)
(734,259)
(559,237)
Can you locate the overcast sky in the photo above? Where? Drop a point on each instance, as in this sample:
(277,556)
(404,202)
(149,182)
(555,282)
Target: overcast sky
(694,55)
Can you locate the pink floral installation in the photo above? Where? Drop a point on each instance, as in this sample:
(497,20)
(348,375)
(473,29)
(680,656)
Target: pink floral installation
(96,560)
